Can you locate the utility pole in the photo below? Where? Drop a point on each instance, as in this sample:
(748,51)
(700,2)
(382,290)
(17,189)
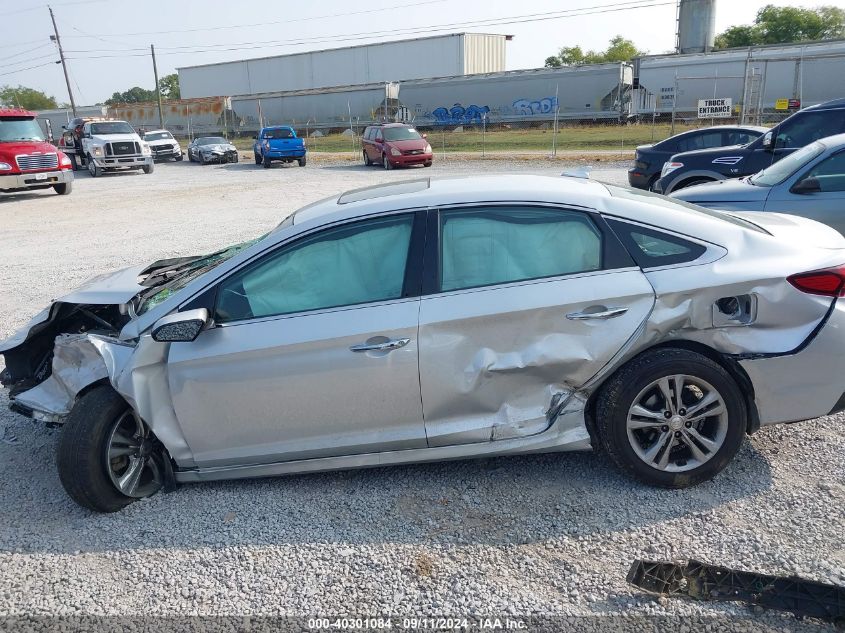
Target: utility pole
(158,90)
(62,57)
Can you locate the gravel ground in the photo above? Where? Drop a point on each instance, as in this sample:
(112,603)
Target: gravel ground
(540,535)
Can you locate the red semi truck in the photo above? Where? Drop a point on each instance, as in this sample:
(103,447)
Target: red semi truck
(27,160)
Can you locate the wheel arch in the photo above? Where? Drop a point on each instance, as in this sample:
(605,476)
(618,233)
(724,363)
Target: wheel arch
(727,363)
(695,173)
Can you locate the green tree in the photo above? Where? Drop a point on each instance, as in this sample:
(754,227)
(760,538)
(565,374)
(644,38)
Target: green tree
(782,25)
(133,95)
(27,98)
(169,86)
(618,50)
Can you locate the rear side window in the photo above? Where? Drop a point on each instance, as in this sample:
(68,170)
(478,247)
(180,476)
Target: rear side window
(700,141)
(483,247)
(739,138)
(651,248)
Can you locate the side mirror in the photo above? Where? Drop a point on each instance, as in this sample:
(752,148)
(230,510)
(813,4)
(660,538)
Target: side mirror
(64,127)
(768,142)
(808,185)
(180,327)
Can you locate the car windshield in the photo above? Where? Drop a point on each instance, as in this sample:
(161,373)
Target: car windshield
(165,282)
(400,134)
(19,129)
(784,168)
(279,133)
(157,136)
(212,140)
(111,127)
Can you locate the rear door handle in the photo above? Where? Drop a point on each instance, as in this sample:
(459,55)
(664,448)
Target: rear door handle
(381,347)
(600,313)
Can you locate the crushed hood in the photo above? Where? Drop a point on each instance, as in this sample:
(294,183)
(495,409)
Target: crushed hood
(108,289)
(219,147)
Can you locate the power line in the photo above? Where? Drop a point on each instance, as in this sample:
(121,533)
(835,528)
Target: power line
(520,19)
(20,70)
(45,6)
(286,21)
(28,51)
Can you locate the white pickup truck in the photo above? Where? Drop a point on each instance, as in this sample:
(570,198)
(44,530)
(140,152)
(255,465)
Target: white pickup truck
(109,146)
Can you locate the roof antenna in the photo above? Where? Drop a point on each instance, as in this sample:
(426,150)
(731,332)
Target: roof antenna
(578,172)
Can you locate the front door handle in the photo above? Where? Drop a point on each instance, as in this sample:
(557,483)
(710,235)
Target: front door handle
(383,346)
(596,312)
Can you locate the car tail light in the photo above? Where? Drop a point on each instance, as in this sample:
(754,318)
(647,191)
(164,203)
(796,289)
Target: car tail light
(669,167)
(829,282)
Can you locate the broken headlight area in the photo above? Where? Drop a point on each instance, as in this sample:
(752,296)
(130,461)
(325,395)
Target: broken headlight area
(30,362)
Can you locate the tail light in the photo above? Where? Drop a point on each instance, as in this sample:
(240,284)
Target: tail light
(829,282)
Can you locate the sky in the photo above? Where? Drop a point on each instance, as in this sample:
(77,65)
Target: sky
(107,41)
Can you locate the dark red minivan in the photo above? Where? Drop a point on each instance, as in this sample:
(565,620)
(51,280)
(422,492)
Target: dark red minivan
(395,145)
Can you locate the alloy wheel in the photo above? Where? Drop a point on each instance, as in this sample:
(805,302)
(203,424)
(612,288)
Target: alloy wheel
(677,423)
(131,457)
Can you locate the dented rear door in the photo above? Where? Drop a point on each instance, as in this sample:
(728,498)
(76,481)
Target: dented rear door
(528,304)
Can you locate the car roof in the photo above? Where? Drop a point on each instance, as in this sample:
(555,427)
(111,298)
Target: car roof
(622,202)
(827,105)
(391,125)
(17,112)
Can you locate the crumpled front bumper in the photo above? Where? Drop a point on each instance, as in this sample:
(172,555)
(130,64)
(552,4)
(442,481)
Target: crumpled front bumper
(31,180)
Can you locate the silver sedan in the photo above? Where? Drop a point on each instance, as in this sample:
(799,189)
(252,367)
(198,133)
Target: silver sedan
(432,320)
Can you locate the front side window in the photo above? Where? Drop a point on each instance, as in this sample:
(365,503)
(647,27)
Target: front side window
(347,265)
(482,247)
(830,173)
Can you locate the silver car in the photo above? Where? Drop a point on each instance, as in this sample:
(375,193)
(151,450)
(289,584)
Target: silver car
(442,319)
(810,183)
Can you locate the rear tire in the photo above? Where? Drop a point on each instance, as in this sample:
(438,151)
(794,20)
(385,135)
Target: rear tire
(301,162)
(83,453)
(427,163)
(64,188)
(367,161)
(684,448)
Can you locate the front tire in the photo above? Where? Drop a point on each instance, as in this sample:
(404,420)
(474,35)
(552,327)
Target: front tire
(301,162)
(386,162)
(148,169)
(64,188)
(257,159)
(179,158)
(267,163)
(671,418)
(107,457)
(93,168)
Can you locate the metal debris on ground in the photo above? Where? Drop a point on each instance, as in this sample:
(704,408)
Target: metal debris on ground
(804,598)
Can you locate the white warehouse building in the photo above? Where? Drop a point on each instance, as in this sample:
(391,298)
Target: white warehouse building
(449,55)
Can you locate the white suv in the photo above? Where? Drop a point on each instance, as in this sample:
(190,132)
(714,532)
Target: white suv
(163,145)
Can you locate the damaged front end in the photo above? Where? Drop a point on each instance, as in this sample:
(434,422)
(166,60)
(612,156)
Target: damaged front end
(57,355)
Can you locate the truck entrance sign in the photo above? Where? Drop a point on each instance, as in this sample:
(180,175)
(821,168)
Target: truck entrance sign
(714,108)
